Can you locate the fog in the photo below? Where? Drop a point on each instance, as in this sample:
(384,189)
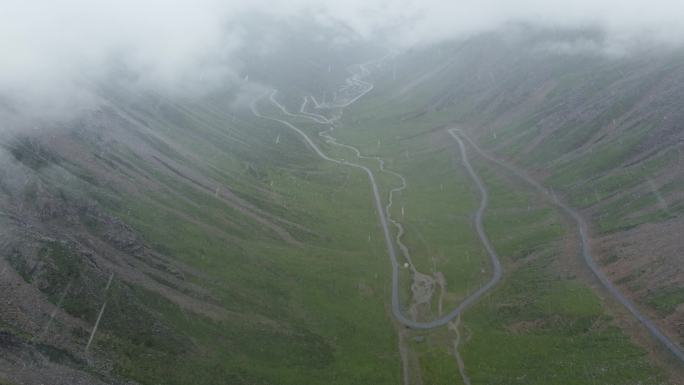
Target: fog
(54,52)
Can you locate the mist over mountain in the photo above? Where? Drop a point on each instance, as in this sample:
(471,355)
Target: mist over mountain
(325,192)
(56,53)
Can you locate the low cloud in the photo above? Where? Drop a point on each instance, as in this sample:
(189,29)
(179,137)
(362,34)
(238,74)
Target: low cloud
(55,52)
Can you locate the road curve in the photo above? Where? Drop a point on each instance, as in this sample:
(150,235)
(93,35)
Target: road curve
(355,79)
(672,346)
(383,214)
(381,163)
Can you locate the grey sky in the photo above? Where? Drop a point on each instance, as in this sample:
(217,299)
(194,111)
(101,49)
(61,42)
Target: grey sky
(52,49)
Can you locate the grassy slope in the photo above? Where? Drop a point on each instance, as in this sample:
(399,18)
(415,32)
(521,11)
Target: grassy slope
(326,297)
(313,312)
(317,312)
(541,325)
(545,319)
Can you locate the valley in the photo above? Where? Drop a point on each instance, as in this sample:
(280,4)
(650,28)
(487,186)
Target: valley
(421,218)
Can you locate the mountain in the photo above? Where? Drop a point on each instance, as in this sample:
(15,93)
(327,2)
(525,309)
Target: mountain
(199,239)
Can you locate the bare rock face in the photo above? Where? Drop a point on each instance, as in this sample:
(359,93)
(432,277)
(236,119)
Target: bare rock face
(646,262)
(49,209)
(122,237)
(58,251)
(42,364)
(9,341)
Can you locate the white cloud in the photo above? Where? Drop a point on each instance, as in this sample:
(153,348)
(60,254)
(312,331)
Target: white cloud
(52,51)
(416,21)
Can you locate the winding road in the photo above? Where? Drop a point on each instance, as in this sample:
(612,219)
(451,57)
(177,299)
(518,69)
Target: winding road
(672,346)
(383,213)
(356,84)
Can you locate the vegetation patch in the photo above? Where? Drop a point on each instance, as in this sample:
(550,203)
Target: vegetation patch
(666,301)
(31,153)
